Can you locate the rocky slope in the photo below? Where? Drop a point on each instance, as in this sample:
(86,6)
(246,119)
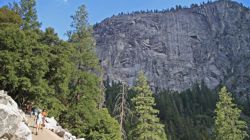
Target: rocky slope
(12,120)
(178,48)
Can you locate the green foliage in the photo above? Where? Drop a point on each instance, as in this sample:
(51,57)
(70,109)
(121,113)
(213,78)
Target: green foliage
(111,92)
(228,125)
(60,69)
(9,17)
(147,124)
(245,107)
(122,108)
(106,128)
(80,20)
(26,9)
(24,63)
(83,117)
(61,76)
(188,115)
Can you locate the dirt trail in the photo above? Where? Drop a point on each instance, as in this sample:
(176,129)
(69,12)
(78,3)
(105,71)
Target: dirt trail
(46,135)
(43,134)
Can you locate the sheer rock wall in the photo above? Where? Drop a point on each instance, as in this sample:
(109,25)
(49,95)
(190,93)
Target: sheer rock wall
(179,48)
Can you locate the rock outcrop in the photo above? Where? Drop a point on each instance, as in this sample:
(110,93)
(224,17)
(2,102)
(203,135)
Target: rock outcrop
(52,125)
(12,120)
(178,48)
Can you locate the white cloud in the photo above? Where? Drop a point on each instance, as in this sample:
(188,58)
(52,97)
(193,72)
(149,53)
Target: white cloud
(65,0)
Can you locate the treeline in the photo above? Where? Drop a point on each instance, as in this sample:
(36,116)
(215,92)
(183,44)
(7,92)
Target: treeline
(61,76)
(189,114)
(172,9)
(197,113)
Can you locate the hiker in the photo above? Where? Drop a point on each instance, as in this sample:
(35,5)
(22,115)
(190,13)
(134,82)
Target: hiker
(29,108)
(34,113)
(38,120)
(25,107)
(44,114)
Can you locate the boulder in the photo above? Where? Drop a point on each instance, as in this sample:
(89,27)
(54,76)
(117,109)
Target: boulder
(23,132)
(60,131)
(12,126)
(68,136)
(51,124)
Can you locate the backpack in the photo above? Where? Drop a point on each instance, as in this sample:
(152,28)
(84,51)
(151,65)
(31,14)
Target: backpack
(37,115)
(34,110)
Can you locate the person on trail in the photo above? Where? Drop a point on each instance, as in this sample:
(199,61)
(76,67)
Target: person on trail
(29,108)
(44,114)
(38,120)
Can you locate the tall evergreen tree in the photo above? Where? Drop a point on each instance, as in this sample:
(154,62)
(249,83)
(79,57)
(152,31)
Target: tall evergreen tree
(80,21)
(228,125)
(84,118)
(60,71)
(26,9)
(121,109)
(147,126)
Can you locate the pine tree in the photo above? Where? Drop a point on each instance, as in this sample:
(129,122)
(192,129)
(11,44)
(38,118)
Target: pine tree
(28,13)
(121,109)
(84,117)
(79,21)
(228,125)
(147,126)
(59,73)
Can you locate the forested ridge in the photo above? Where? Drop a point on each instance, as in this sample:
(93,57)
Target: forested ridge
(65,77)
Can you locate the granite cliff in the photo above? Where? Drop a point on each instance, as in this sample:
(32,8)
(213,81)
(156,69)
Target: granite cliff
(178,48)
(12,120)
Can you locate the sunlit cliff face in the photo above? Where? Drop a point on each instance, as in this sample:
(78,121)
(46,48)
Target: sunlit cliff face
(178,48)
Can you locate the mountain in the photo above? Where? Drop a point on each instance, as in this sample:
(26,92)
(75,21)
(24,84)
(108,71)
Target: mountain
(180,47)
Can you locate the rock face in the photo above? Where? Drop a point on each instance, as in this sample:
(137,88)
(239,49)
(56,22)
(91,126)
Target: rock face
(12,126)
(176,49)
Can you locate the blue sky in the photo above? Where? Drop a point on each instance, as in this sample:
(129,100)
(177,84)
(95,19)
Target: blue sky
(56,13)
